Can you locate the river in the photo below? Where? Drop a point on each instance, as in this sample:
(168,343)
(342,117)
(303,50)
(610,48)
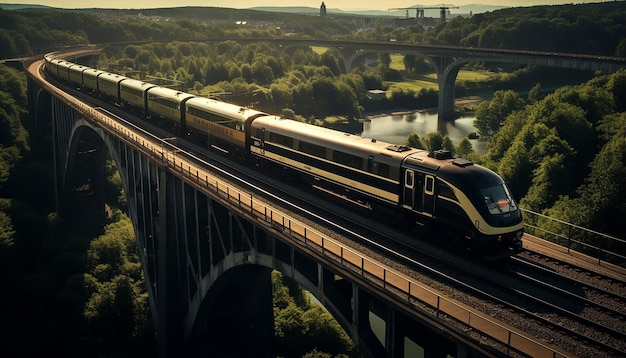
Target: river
(395,128)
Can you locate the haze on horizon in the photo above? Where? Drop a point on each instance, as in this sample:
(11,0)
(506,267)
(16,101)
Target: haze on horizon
(243,4)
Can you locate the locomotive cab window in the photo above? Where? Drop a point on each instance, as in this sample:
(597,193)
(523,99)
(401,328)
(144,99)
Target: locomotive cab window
(498,199)
(409,179)
(429,188)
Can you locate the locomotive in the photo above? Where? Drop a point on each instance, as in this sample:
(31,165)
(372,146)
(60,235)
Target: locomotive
(433,188)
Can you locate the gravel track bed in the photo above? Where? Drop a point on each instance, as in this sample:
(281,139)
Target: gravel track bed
(539,330)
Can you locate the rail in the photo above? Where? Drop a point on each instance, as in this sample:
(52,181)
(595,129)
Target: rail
(403,288)
(600,246)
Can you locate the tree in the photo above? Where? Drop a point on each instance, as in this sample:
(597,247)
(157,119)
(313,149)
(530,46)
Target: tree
(545,187)
(446,143)
(384,60)
(491,115)
(116,308)
(464,149)
(617,85)
(433,141)
(535,94)
(262,73)
(413,140)
(6,233)
(303,328)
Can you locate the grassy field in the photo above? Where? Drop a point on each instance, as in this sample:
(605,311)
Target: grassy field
(425,80)
(430,80)
(397,63)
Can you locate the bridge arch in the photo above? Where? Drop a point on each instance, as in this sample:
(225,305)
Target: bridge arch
(81,177)
(190,232)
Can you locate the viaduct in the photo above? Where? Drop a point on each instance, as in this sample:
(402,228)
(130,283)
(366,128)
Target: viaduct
(209,240)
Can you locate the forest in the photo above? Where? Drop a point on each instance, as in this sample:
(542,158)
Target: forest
(561,149)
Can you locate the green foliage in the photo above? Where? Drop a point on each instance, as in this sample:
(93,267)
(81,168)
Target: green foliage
(115,311)
(464,149)
(547,154)
(41,257)
(491,114)
(13,136)
(6,234)
(603,193)
(582,28)
(303,328)
(413,140)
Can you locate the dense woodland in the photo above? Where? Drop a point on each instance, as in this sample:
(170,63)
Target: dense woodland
(77,289)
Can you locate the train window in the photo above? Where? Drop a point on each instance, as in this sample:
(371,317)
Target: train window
(383,170)
(281,139)
(445,191)
(313,149)
(429,188)
(498,199)
(215,118)
(132,91)
(409,179)
(350,160)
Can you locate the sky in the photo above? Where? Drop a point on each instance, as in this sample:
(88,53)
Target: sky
(242,4)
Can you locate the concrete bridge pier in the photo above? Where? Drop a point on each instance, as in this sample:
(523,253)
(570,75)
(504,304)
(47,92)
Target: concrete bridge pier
(447,70)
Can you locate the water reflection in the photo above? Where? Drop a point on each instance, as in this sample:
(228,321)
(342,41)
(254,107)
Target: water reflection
(395,128)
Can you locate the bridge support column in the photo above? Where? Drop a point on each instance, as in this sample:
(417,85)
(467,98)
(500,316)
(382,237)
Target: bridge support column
(168,298)
(446,76)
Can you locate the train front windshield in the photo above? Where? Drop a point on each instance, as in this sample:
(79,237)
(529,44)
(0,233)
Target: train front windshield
(498,199)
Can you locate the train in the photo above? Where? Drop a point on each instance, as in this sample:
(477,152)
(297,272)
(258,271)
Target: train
(469,205)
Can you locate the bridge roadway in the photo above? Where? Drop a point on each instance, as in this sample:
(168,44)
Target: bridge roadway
(174,195)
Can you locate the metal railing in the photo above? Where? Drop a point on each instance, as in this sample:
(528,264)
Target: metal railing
(600,246)
(413,293)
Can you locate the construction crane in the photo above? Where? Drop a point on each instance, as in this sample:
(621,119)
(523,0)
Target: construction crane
(419,12)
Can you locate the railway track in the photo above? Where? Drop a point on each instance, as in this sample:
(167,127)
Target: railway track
(572,314)
(566,313)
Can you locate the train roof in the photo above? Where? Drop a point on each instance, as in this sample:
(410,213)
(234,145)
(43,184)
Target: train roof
(159,92)
(111,77)
(135,84)
(460,172)
(223,109)
(78,68)
(337,140)
(62,63)
(92,71)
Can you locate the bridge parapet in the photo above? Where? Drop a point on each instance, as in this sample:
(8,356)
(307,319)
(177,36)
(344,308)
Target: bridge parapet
(165,182)
(414,296)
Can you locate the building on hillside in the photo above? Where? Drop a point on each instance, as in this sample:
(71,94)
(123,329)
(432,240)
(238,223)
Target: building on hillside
(323,10)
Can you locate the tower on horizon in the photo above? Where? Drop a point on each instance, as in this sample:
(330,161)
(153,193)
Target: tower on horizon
(323,10)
